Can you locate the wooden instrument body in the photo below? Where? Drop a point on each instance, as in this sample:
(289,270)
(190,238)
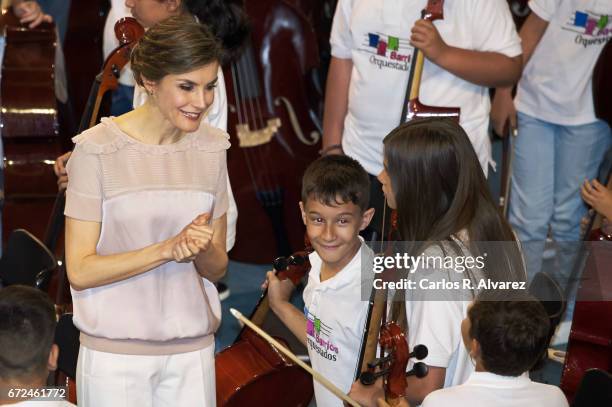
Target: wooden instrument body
(274,131)
(250,370)
(590,340)
(30,129)
(251,373)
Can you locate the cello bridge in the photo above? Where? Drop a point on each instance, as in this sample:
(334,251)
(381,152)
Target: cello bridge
(254,138)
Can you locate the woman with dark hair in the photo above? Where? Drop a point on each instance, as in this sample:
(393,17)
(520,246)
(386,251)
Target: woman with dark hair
(433,178)
(146,231)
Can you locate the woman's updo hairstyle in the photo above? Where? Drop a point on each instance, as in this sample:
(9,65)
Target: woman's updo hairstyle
(174,46)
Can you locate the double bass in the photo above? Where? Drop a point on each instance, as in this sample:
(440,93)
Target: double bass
(274,129)
(30,124)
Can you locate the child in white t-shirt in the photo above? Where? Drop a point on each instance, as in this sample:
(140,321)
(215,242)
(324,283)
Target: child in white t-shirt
(335,192)
(474,47)
(560,141)
(27,351)
(505,338)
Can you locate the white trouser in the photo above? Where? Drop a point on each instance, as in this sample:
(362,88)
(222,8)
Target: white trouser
(116,380)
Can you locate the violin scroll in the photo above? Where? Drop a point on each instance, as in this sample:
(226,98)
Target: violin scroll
(128,30)
(392,367)
(293,267)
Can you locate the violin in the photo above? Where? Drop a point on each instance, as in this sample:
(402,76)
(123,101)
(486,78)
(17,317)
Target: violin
(392,366)
(248,371)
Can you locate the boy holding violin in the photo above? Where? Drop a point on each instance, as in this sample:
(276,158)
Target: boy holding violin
(335,194)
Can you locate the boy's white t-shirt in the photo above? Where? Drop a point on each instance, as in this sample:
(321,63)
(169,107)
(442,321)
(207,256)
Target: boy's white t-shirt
(375,34)
(336,317)
(484,389)
(556,85)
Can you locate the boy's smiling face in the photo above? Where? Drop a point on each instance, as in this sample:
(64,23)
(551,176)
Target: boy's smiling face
(333,230)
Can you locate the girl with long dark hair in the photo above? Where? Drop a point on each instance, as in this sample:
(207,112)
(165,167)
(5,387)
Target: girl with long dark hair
(433,178)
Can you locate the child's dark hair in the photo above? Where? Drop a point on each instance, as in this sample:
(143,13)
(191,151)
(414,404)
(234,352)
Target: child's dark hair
(335,180)
(512,333)
(27,328)
(226,19)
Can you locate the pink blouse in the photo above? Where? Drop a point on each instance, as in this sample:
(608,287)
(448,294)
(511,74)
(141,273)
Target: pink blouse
(143,194)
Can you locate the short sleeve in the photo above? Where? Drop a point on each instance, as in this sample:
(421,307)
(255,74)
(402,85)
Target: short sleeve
(84,193)
(545,9)
(437,325)
(494,30)
(221,195)
(340,39)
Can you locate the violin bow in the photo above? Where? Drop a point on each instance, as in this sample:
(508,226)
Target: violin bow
(316,375)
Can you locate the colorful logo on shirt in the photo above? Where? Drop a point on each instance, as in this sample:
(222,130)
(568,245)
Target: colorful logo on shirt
(592,28)
(387,51)
(318,337)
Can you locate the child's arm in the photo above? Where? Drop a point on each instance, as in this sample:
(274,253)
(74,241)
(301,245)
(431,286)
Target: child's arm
(483,68)
(29,11)
(502,108)
(279,293)
(598,196)
(336,102)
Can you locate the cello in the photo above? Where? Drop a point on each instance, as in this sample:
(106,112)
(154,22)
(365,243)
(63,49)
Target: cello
(247,370)
(274,129)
